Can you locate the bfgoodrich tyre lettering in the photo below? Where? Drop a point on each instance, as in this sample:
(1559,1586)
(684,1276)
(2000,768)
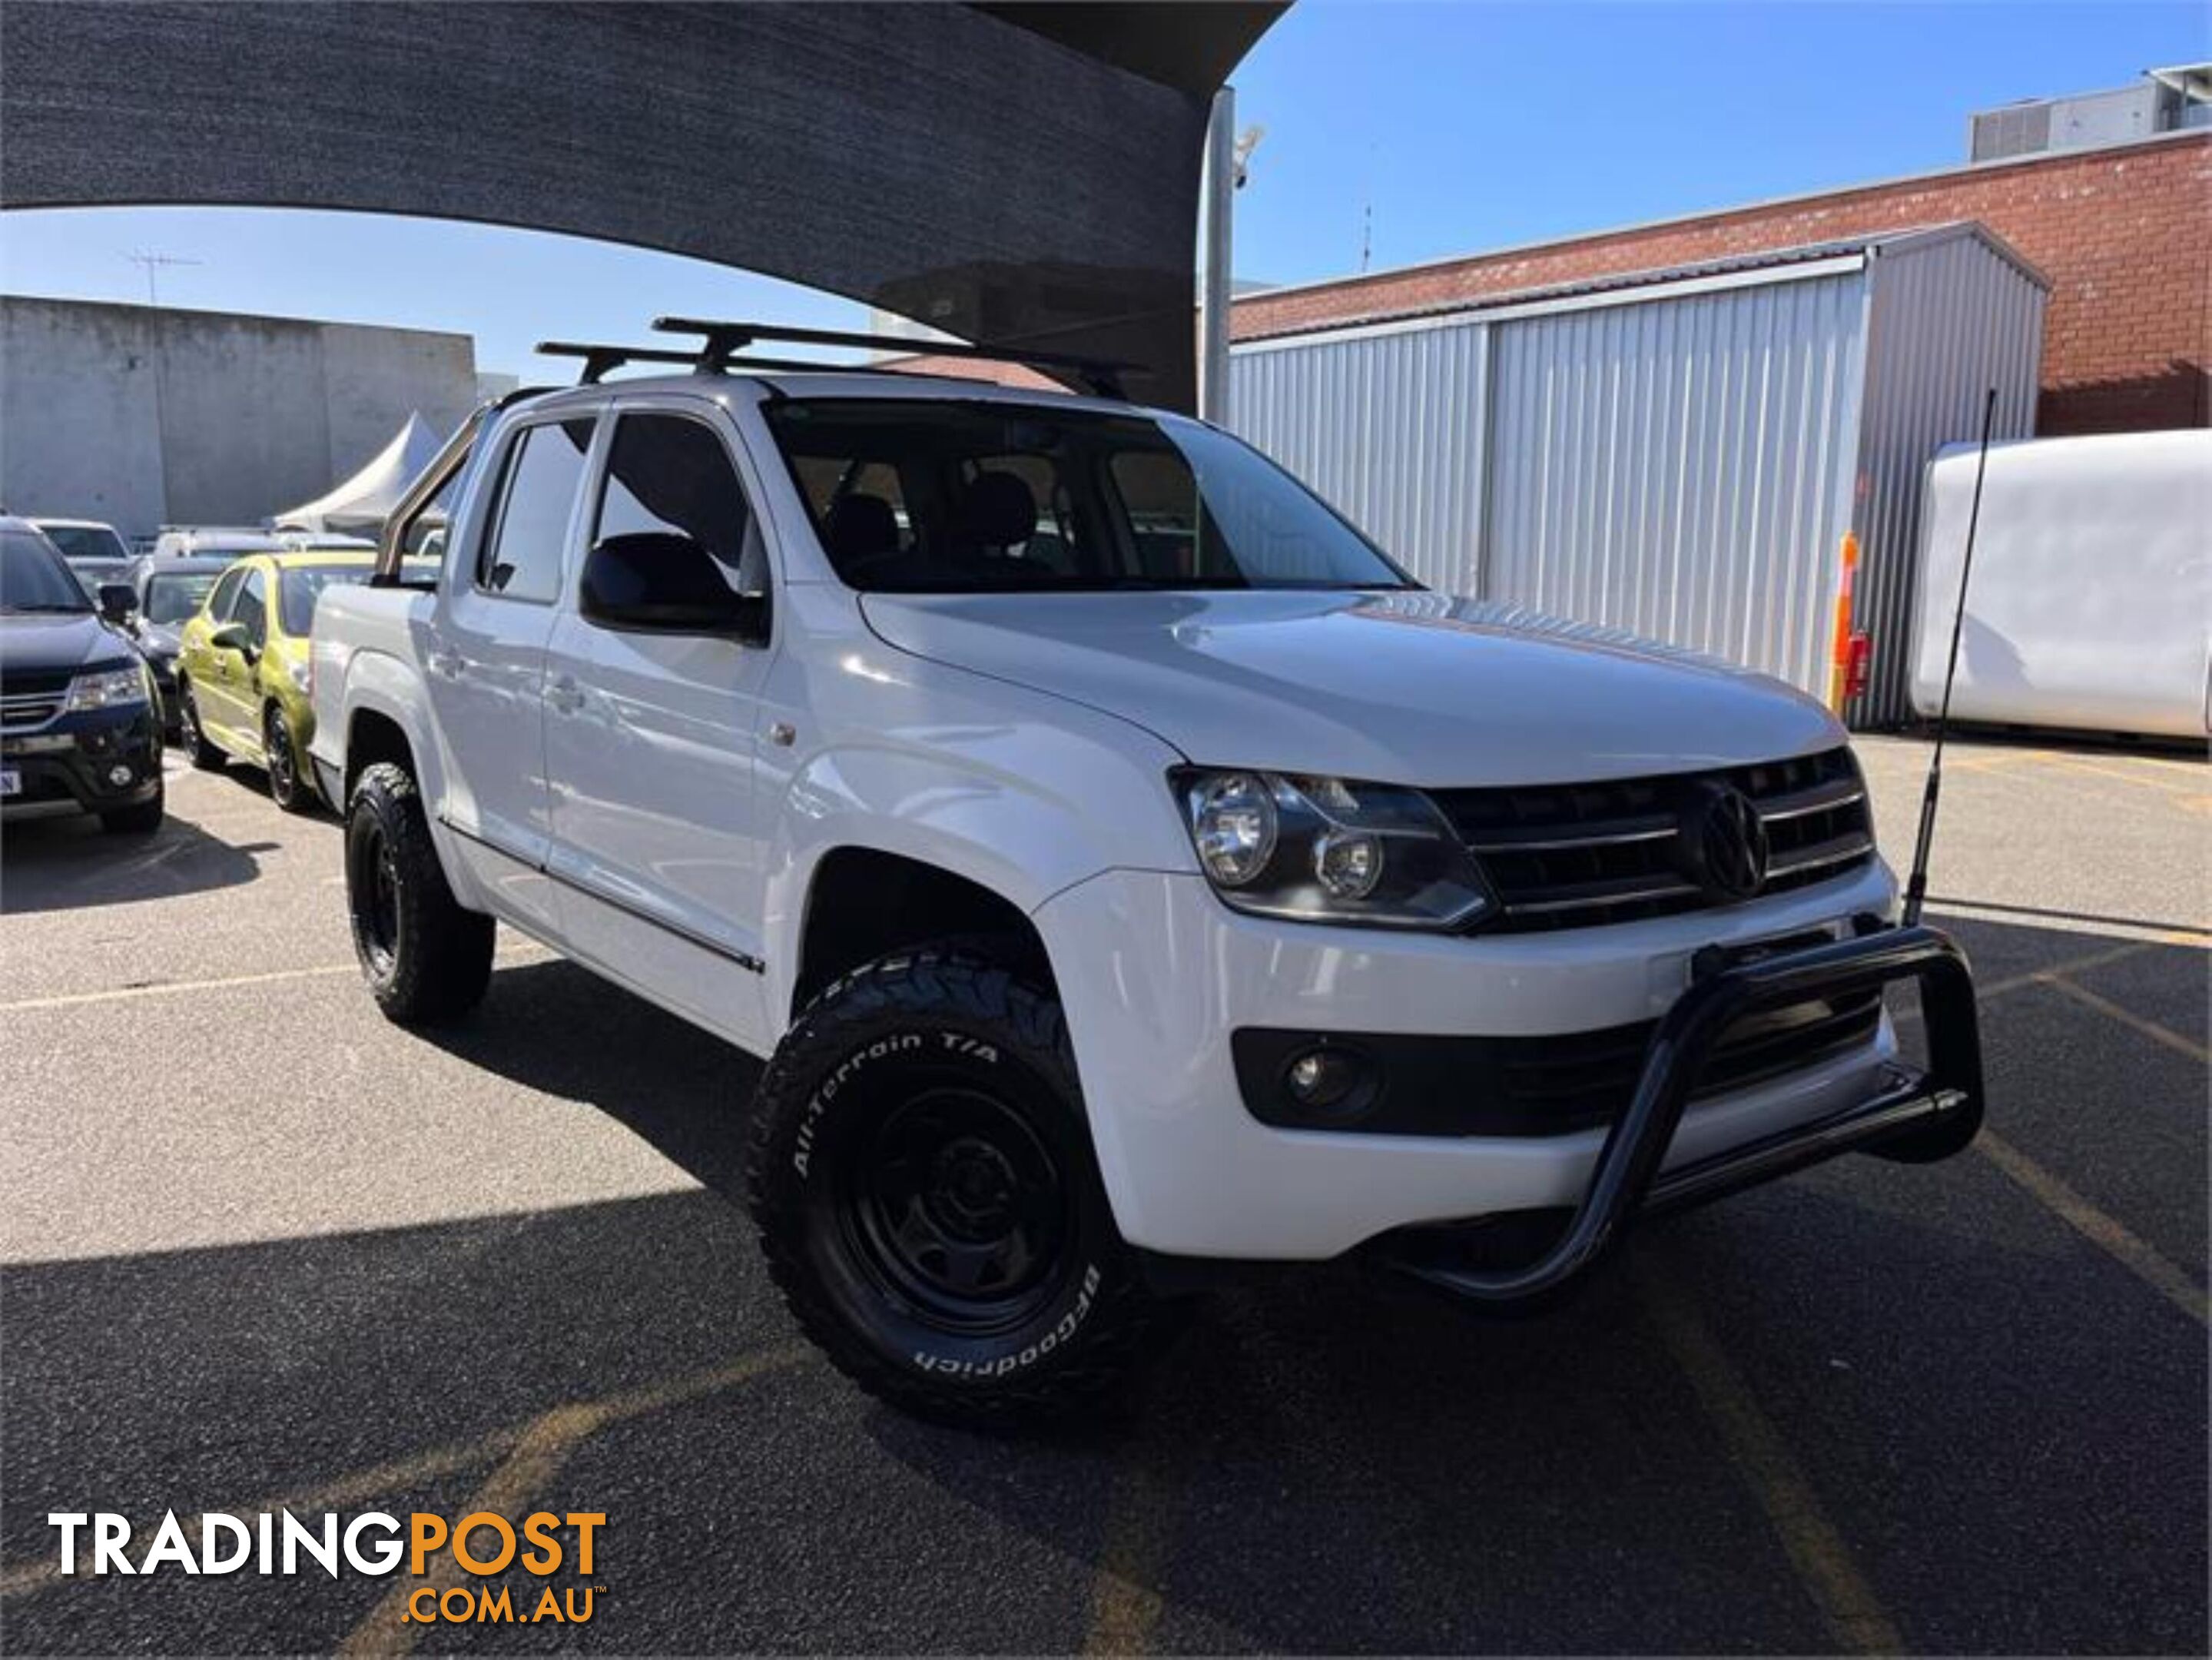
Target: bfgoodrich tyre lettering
(921,1175)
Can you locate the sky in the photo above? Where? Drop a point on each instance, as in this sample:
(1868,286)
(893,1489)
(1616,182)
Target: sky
(1459,127)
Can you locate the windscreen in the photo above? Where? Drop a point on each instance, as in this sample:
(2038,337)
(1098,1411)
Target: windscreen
(32,579)
(948,497)
(87,541)
(172,599)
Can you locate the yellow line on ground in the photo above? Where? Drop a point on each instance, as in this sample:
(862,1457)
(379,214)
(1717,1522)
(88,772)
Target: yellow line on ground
(2071,965)
(1125,1605)
(172,988)
(2127,1017)
(2145,1261)
(2074,764)
(536,1460)
(401,1475)
(1815,1549)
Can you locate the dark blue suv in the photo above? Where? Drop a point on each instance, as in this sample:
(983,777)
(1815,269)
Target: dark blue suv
(80,731)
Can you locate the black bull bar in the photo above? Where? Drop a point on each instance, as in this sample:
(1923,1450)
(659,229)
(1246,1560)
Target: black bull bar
(1916,1116)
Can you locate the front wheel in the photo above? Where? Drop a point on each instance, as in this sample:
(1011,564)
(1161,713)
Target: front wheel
(143,820)
(921,1175)
(426,958)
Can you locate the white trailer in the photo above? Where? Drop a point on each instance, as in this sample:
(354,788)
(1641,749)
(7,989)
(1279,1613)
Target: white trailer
(2091,601)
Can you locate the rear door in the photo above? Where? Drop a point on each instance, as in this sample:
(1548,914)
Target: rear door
(649,740)
(483,655)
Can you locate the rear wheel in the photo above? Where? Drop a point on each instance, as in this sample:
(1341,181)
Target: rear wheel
(202,753)
(426,958)
(922,1174)
(286,787)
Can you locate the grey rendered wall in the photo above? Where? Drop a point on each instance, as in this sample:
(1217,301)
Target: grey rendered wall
(1682,467)
(144,417)
(1389,428)
(1950,319)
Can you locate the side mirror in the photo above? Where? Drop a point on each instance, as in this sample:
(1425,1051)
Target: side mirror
(233,636)
(662,582)
(118,601)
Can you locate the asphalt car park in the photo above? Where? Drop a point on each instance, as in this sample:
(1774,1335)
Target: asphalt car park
(261,1247)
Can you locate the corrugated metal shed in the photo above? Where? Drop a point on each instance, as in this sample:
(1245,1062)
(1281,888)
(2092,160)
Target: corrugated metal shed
(1677,454)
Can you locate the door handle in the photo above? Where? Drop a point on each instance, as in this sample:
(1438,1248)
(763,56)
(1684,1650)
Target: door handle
(563,693)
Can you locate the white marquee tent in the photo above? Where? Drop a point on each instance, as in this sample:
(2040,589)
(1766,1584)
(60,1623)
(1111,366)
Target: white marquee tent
(361,504)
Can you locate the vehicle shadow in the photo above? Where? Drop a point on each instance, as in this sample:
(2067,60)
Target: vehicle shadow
(560,1029)
(64,864)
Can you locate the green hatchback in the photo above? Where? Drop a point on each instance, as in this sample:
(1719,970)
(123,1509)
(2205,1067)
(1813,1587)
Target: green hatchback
(242,674)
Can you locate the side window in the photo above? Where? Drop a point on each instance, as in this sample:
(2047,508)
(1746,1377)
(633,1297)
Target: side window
(226,590)
(667,474)
(1175,537)
(521,557)
(252,608)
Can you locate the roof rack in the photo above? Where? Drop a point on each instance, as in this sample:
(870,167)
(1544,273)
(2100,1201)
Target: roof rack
(599,360)
(1102,375)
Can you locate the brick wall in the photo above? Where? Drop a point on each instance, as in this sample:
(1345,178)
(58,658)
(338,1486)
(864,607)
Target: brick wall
(2124,235)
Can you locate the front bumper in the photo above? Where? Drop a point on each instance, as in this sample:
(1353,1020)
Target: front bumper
(69,764)
(1156,977)
(1911,1115)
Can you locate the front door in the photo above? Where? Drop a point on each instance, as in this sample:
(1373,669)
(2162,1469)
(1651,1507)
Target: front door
(649,745)
(484,656)
(226,701)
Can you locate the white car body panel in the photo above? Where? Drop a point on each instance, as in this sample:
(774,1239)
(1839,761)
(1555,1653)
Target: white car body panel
(1409,688)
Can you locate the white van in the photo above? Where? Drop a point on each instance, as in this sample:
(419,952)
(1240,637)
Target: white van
(2091,600)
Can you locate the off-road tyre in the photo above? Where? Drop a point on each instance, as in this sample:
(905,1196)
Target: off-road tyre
(142,820)
(287,786)
(192,736)
(942,1047)
(426,959)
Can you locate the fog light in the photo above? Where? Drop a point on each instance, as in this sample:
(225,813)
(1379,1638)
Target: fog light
(119,776)
(1327,1080)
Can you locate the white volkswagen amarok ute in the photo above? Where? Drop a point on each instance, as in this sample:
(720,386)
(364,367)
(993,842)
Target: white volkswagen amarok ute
(1118,862)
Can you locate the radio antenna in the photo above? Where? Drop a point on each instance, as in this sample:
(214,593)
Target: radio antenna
(1916,885)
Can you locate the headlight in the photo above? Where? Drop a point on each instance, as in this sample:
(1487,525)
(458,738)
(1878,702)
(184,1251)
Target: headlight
(1327,850)
(107,690)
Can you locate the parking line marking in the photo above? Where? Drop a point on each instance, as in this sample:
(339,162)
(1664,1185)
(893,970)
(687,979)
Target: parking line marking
(2144,1260)
(169,987)
(1124,1607)
(536,1459)
(2187,792)
(418,1468)
(2127,1017)
(1815,1549)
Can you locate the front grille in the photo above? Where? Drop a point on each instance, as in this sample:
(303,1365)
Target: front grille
(1581,855)
(1584,1080)
(25,711)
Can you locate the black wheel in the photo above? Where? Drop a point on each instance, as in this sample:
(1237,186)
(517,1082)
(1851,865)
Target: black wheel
(286,787)
(202,754)
(142,820)
(922,1174)
(426,958)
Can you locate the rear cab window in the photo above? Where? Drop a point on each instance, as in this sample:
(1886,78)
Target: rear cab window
(523,555)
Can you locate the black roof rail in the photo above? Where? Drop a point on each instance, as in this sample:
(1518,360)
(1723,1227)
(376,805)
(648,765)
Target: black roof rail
(599,360)
(1102,375)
